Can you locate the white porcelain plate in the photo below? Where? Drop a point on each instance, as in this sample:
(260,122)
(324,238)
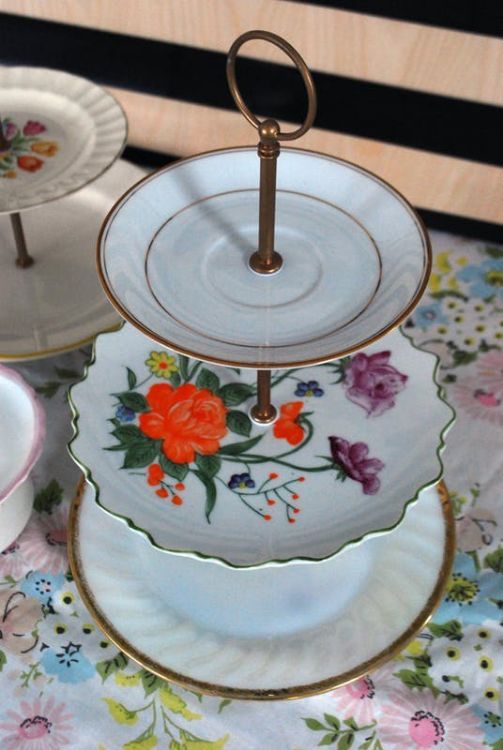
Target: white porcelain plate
(169,445)
(174,258)
(263,634)
(62,132)
(58,303)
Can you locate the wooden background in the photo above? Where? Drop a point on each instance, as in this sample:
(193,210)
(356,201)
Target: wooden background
(450,164)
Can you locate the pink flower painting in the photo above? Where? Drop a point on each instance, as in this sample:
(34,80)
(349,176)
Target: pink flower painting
(355,463)
(37,726)
(417,721)
(33,127)
(371,382)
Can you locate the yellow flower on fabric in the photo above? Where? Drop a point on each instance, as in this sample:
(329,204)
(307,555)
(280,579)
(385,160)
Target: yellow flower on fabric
(462,261)
(442,262)
(416,648)
(127,680)
(176,704)
(453,283)
(120,713)
(434,282)
(161,364)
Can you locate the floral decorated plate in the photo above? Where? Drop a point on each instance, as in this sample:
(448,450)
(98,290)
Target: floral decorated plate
(263,634)
(58,303)
(173,258)
(169,446)
(59,132)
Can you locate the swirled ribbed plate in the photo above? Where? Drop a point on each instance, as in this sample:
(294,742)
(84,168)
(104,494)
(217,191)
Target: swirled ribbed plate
(262,634)
(61,132)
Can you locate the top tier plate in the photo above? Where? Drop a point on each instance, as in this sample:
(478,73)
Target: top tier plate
(62,131)
(173,258)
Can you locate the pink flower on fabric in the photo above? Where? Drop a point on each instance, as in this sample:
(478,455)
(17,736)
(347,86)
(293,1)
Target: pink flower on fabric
(417,721)
(43,541)
(37,726)
(33,127)
(475,530)
(479,400)
(12,562)
(356,700)
(371,382)
(19,615)
(353,460)
(490,372)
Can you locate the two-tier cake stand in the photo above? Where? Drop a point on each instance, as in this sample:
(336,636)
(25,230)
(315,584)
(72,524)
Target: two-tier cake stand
(60,139)
(260,422)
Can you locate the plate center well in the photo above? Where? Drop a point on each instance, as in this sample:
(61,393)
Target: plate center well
(197,270)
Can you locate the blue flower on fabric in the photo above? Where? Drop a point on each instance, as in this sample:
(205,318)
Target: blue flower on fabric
(492,724)
(42,585)
(468,593)
(124,413)
(485,279)
(428,315)
(241,482)
(68,663)
(311,388)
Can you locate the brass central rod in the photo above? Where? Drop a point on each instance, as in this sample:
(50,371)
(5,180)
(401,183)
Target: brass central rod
(24,259)
(263,412)
(266,259)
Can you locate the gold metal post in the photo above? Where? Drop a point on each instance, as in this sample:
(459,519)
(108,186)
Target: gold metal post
(266,260)
(263,411)
(24,259)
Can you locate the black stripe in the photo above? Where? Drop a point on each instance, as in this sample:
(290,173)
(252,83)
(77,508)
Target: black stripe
(476,16)
(481,230)
(386,113)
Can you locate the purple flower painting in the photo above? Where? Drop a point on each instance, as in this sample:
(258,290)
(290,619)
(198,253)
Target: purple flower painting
(371,382)
(354,462)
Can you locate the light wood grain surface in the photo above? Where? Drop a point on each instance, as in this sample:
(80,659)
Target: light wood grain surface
(432,181)
(398,53)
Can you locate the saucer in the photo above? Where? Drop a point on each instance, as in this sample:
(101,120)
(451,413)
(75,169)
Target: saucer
(173,258)
(263,634)
(22,432)
(63,131)
(170,448)
(58,303)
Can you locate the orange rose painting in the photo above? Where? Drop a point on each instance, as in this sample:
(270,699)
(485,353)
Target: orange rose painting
(187,419)
(287,426)
(191,432)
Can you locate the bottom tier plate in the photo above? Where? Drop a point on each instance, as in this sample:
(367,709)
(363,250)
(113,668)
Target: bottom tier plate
(58,304)
(268,633)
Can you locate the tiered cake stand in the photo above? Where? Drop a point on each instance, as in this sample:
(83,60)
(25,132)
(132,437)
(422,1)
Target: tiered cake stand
(270,440)
(60,137)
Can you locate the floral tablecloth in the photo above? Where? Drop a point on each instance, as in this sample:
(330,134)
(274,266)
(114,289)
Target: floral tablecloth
(63,685)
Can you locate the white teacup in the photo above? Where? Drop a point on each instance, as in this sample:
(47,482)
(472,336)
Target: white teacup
(22,432)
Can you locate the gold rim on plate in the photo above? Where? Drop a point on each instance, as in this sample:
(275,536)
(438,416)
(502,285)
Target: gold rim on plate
(297,691)
(265,365)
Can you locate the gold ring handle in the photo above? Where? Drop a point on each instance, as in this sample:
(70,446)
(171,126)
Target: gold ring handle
(292,53)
